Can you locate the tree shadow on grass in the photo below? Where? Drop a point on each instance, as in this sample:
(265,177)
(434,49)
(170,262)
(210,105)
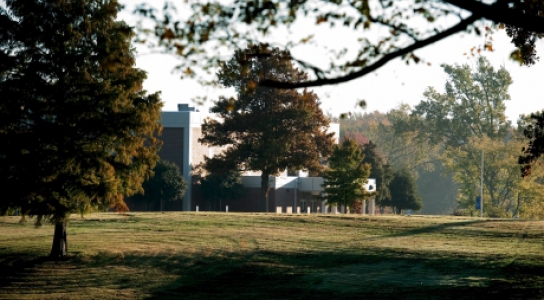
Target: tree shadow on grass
(446,226)
(430,229)
(340,275)
(261,275)
(459,230)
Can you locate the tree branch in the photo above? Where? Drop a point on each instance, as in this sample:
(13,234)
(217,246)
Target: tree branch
(378,64)
(395,27)
(501,14)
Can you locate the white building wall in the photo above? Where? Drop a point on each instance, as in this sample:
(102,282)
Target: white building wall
(191,119)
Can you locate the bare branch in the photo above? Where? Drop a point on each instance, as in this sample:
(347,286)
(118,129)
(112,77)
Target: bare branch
(398,28)
(378,64)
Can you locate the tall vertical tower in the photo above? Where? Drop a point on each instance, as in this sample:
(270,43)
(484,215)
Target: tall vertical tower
(180,136)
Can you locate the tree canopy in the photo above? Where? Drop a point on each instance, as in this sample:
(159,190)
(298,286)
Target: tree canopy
(502,184)
(401,147)
(468,120)
(75,125)
(267,129)
(166,184)
(473,105)
(201,35)
(345,175)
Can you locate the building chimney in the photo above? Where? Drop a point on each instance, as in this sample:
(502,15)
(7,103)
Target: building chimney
(185,107)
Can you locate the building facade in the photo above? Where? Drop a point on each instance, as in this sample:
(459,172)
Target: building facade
(181,131)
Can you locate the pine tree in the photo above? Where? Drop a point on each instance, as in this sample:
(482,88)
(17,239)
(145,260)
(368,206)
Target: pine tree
(268,130)
(346,175)
(75,125)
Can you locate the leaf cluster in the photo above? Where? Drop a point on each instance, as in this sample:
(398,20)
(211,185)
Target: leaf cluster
(533,130)
(201,36)
(525,39)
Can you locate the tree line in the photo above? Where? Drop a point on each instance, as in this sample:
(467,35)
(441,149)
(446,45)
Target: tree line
(270,130)
(450,132)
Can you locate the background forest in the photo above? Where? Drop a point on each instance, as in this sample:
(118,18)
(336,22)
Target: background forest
(441,140)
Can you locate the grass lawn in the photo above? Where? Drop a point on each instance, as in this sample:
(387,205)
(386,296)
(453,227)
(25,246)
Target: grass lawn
(266,256)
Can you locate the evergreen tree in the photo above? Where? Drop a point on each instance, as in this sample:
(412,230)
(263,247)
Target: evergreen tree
(268,130)
(404,193)
(166,184)
(345,175)
(75,124)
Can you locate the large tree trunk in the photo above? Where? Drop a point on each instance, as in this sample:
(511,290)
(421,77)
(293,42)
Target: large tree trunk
(265,187)
(60,245)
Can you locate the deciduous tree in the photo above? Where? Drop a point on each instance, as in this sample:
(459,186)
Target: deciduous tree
(470,118)
(471,110)
(166,184)
(268,130)
(502,186)
(473,105)
(404,193)
(400,146)
(402,149)
(218,186)
(75,124)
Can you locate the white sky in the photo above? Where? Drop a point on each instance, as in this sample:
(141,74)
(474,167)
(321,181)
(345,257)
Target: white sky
(391,85)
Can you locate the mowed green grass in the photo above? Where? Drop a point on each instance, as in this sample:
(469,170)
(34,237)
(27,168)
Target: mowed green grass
(268,256)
